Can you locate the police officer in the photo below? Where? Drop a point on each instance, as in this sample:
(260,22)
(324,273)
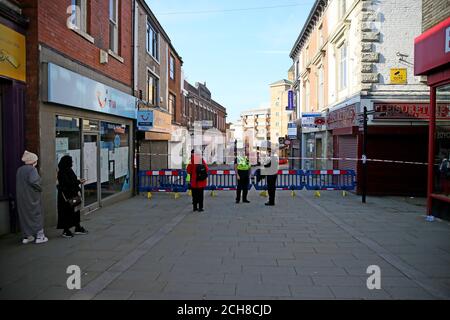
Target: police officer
(242,167)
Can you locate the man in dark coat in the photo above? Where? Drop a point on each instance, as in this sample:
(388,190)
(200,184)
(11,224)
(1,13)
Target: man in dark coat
(270,171)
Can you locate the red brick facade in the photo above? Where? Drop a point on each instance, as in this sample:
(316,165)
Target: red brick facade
(175,86)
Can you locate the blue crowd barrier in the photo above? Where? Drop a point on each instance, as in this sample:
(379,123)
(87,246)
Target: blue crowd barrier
(162,181)
(286,180)
(330,180)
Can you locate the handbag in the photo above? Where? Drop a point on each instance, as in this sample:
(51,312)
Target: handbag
(73,201)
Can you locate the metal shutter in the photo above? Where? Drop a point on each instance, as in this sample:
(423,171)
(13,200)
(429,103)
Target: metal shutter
(347,148)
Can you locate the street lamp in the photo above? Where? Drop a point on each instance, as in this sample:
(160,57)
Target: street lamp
(364,153)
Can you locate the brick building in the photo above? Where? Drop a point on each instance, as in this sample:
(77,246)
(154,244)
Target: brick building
(210,117)
(353,54)
(80,96)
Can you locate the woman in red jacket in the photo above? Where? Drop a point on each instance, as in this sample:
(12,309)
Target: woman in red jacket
(198,184)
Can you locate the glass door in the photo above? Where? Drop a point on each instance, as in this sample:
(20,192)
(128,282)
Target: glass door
(90,171)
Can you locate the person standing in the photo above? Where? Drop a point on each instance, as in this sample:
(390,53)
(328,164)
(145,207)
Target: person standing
(68,189)
(271,173)
(243,168)
(198,171)
(29,207)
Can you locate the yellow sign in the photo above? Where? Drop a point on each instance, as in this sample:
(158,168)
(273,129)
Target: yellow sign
(399,76)
(12,54)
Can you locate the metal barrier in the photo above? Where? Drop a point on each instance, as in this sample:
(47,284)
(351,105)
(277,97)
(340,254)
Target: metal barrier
(286,180)
(222,180)
(330,180)
(162,181)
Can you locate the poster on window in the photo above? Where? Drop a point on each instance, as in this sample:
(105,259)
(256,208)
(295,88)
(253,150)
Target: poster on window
(104,165)
(75,154)
(90,162)
(121,162)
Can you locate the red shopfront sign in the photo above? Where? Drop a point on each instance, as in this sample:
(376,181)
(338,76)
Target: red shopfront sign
(343,118)
(432,48)
(409,111)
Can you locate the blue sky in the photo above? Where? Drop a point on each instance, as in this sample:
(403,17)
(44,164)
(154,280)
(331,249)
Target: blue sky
(237,53)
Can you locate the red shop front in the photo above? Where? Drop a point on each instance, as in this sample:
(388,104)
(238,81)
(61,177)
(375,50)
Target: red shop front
(432,59)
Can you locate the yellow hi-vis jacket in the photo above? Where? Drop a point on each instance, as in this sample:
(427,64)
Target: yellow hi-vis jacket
(243,163)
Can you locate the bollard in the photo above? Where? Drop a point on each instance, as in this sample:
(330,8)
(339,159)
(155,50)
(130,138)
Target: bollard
(149,195)
(317,194)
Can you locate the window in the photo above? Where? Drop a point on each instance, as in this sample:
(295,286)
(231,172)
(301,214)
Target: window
(79,15)
(297,69)
(114,158)
(320,87)
(152,41)
(343,67)
(342,8)
(320,38)
(172,106)
(114,26)
(68,141)
(172,67)
(308,107)
(152,89)
(441,180)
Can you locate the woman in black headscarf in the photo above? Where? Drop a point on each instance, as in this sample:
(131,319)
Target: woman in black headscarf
(68,188)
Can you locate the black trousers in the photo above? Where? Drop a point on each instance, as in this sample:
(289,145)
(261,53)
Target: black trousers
(272,187)
(197,198)
(242,185)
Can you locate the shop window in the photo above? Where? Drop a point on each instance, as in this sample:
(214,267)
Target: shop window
(114,158)
(68,141)
(442,142)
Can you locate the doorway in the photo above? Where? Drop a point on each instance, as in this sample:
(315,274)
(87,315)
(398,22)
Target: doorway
(319,154)
(90,165)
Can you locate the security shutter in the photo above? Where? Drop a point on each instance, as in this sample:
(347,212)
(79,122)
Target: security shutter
(347,148)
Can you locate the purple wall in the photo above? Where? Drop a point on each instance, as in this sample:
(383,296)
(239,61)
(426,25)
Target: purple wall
(13,138)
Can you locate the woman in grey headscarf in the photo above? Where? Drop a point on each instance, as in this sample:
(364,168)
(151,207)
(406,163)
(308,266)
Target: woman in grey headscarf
(28,193)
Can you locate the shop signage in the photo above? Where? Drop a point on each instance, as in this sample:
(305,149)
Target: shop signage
(343,118)
(207,124)
(12,54)
(71,89)
(319,121)
(290,100)
(162,121)
(145,120)
(398,76)
(409,111)
(292,130)
(432,48)
(308,119)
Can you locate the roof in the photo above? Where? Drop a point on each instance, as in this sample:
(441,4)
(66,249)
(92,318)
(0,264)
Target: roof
(282,82)
(318,6)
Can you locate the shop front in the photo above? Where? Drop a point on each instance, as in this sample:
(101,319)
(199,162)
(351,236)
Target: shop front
(315,141)
(343,124)
(154,141)
(12,113)
(432,59)
(94,124)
